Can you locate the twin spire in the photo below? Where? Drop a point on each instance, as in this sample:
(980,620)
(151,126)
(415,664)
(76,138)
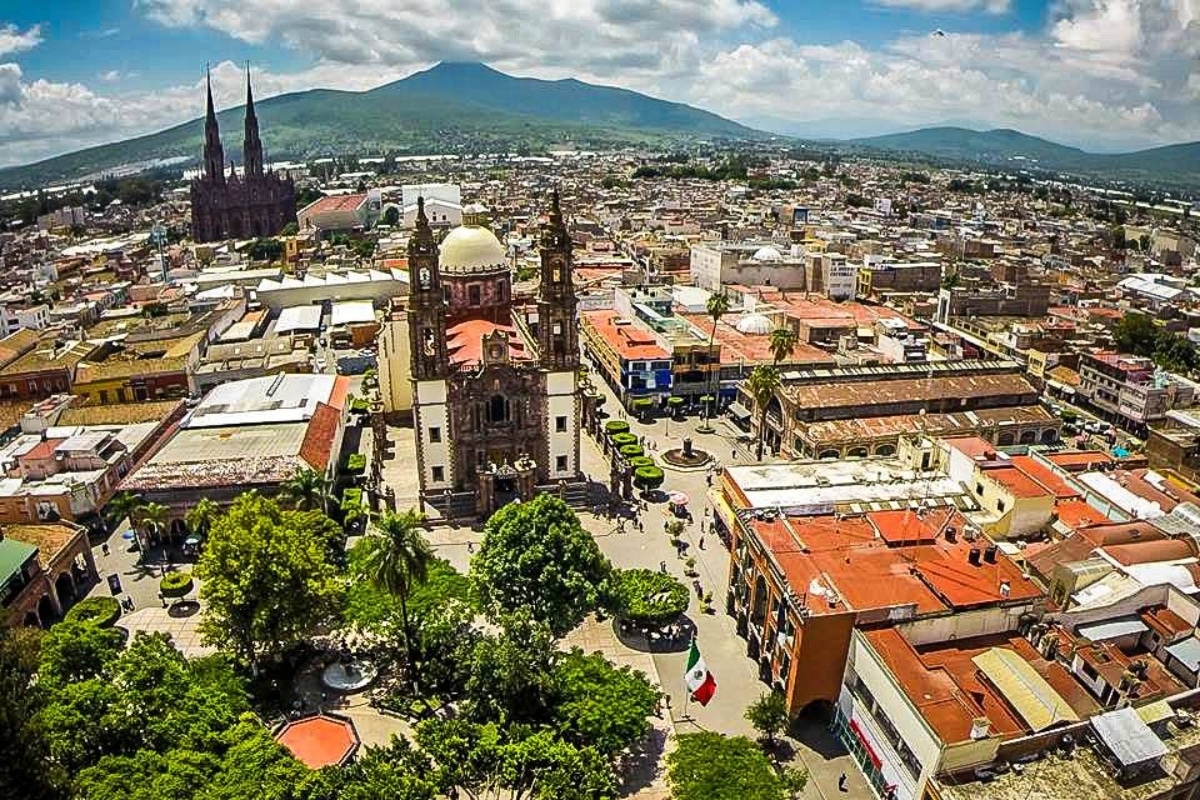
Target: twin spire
(214,152)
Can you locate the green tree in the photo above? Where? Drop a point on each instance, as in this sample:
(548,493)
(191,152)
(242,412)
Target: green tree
(395,558)
(307,489)
(768,714)
(599,705)
(200,517)
(511,673)
(1136,334)
(709,765)
(391,216)
(647,596)
(762,384)
(25,771)
(291,229)
(267,581)
(76,651)
(265,250)
(716,307)
(397,772)
(537,556)
(783,342)
(125,506)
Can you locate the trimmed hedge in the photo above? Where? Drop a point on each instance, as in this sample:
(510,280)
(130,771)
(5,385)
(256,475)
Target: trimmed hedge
(360,405)
(632,450)
(648,477)
(356,463)
(103,612)
(176,584)
(615,426)
(674,401)
(641,461)
(648,596)
(623,439)
(643,403)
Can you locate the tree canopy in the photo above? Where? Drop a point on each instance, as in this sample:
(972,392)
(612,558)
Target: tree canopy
(266,579)
(708,765)
(599,705)
(648,596)
(537,556)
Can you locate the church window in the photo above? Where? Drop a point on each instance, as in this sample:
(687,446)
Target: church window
(556,328)
(424,277)
(439,474)
(473,294)
(435,435)
(560,464)
(560,424)
(498,409)
(556,273)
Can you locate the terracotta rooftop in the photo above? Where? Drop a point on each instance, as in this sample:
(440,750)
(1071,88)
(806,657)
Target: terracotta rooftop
(465,341)
(1044,476)
(1080,460)
(49,539)
(345,202)
(119,414)
(886,559)
(909,390)
(1150,552)
(318,439)
(320,741)
(1076,514)
(632,341)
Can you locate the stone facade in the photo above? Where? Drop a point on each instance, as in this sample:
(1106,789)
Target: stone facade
(495,388)
(229,206)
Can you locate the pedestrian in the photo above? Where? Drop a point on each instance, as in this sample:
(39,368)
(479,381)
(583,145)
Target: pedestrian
(104,548)
(470,547)
(662,566)
(641,526)
(842,782)
(701,543)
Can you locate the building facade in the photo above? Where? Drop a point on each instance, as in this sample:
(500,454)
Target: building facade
(228,206)
(495,388)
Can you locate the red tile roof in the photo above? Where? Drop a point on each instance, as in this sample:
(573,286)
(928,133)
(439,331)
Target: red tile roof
(1044,476)
(465,341)
(317,447)
(1077,514)
(1150,552)
(631,342)
(344,202)
(340,391)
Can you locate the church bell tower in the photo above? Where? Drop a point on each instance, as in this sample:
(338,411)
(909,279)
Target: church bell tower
(426,304)
(558,339)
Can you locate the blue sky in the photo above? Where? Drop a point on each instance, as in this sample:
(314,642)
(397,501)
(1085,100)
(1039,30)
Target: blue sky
(1106,74)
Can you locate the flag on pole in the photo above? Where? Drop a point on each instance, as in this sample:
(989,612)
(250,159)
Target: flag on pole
(700,681)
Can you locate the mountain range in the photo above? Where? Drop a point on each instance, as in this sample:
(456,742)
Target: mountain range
(451,107)
(472,108)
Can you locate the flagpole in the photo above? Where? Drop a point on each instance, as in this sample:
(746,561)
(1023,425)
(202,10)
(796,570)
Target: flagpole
(687,693)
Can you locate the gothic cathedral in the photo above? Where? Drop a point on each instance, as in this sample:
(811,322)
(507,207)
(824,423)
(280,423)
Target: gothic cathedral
(228,206)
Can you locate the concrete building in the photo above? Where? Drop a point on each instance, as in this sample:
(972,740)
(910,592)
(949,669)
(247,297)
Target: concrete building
(378,286)
(44,568)
(1131,390)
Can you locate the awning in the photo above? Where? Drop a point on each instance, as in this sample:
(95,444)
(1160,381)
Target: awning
(738,410)
(866,744)
(721,509)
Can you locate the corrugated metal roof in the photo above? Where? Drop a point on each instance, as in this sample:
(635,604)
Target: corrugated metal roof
(1187,653)
(1024,689)
(1128,738)
(1112,629)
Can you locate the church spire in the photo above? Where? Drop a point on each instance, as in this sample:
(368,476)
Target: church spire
(252,152)
(214,154)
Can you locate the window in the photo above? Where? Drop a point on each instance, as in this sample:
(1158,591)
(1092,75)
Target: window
(560,463)
(439,474)
(1000,506)
(435,435)
(473,294)
(497,409)
(560,424)
(979,489)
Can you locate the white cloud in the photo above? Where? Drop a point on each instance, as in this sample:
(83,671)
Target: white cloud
(110,76)
(958,6)
(13,40)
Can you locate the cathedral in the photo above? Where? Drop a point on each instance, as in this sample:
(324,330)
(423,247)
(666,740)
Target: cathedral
(495,384)
(228,206)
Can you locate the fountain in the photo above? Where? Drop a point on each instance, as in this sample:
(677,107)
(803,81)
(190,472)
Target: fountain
(348,674)
(687,457)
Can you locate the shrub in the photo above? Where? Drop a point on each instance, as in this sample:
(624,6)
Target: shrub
(674,401)
(649,597)
(102,612)
(360,405)
(622,439)
(356,463)
(642,403)
(641,461)
(175,584)
(632,450)
(648,478)
(615,426)
(351,498)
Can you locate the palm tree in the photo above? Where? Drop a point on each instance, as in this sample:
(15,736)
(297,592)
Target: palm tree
(396,558)
(307,489)
(783,342)
(762,384)
(152,516)
(717,306)
(201,516)
(122,505)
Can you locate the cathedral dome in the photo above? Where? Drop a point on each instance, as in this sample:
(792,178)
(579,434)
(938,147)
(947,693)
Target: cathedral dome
(470,248)
(767,254)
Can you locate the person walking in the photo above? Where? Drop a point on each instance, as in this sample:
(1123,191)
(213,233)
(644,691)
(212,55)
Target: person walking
(842,782)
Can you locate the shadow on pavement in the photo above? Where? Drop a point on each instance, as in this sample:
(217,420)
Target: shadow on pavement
(656,640)
(640,766)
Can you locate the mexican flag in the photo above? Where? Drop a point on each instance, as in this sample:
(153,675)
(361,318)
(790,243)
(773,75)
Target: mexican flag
(699,680)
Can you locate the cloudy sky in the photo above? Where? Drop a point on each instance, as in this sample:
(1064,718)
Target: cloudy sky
(1105,74)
